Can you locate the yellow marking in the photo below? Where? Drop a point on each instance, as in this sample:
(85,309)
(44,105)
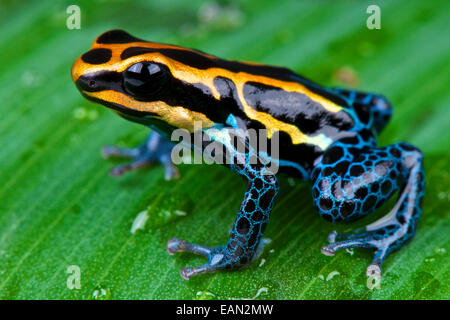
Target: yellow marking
(177,116)
(146,44)
(273,125)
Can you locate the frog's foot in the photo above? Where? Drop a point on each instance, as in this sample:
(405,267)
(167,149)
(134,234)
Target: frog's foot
(216,257)
(155,149)
(219,258)
(384,240)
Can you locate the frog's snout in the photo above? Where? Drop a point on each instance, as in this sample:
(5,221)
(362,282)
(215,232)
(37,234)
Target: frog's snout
(86,83)
(89,61)
(99,81)
(75,70)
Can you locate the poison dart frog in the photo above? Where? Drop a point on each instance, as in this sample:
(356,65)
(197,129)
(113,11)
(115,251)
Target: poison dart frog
(326,135)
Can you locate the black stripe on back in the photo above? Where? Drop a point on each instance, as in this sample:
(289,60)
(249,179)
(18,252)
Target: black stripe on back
(117,36)
(97,56)
(196,60)
(296,108)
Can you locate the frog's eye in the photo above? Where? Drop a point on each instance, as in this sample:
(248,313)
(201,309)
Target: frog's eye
(144,79)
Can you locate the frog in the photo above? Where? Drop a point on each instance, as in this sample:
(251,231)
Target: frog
(326,136)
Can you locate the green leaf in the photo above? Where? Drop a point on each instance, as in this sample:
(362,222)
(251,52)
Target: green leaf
(60,208)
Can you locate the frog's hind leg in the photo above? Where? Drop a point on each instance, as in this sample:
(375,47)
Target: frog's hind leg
(154,149)
(372,109)
(351,182)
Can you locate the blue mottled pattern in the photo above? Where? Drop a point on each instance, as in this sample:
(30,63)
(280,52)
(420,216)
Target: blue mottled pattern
(355,177)
(351,179)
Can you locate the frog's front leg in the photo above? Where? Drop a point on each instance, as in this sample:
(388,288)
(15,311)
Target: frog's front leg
(248,229)
(154,149)
(354,179)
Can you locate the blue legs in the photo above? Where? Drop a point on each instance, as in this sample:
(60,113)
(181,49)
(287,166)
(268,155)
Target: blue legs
(353,180)
(248,229)
(154,149)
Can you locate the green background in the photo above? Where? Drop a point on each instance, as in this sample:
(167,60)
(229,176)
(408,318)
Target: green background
(59,206)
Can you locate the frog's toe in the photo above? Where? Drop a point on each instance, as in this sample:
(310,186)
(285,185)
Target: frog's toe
(113,152)
(155,149)
(331,249)
(140,159)
(384,240)
(189,272)
(218,257)
(177,245)
(121,169)
(374,269)
(171,171)
(118,171)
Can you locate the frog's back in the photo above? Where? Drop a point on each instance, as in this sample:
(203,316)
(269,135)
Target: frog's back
(305,117)
(270,97)
(312,109)
(281,100)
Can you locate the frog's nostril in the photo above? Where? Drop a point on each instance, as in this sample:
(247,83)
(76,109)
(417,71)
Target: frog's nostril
(86,83)
(98,81)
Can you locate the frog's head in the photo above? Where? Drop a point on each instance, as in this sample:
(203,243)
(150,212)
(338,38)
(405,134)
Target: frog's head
(143,81)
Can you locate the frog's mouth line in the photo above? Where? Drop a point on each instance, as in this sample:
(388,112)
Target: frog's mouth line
(134,115)
(175,116)
(145,118)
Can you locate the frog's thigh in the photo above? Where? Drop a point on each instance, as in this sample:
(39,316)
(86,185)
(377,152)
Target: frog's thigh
(350,182)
